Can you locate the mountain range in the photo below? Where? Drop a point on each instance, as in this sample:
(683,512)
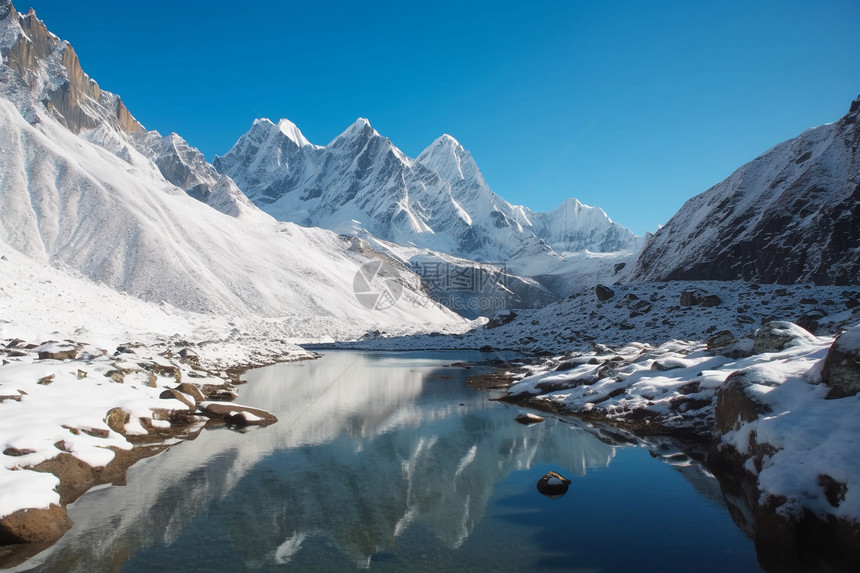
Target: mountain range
(362,183)
(87,189)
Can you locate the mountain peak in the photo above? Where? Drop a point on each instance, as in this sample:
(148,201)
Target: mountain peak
(447,157)
(292,132)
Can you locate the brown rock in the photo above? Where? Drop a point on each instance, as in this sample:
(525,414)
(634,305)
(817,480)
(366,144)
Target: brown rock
(177,395)
(192,390)
(34,525)
(116,419)
(237,414)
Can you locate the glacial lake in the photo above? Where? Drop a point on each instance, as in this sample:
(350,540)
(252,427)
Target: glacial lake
(388,462)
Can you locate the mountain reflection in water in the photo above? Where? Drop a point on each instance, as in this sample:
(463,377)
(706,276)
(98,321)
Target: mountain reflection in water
(376,457)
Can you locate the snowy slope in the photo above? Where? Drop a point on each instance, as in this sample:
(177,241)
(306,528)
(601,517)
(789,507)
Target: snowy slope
(791,215)
(76,193)
(361,182)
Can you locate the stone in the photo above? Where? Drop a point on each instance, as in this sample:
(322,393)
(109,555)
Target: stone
(56,351)
(34,525)
(553,485)
(841,370)
(736,404)
(689,298)
(529,418)
(192,390)
(177,395)
(711,300)
(116,419)
(603,292)
(237,415)
(776,335)
(721,339)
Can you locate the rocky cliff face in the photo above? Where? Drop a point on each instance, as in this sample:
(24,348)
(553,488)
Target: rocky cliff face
(791,215)
(52,71)
(42,74)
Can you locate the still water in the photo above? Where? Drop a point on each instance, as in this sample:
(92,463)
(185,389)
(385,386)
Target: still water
(387,462)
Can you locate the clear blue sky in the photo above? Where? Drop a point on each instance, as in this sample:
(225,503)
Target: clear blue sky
(654,101)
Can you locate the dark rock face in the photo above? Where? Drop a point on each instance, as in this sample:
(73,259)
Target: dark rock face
(842,366)
(776,220)
(736,404)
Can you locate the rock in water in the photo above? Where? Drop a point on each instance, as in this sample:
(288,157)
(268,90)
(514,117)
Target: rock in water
(553,485)
(529,418)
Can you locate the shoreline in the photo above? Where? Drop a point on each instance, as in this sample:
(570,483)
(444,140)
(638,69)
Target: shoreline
(149,401)
(723,402)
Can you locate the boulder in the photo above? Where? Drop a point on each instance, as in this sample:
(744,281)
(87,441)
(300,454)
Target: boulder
(721,339)
(236,414)
(553,485)
(529,418)
(689,298)
(737,400)
(192,390)
(711,300)
(603,292)
(842,365)
(56,351)
(34,525)
(776,335)
(177,395)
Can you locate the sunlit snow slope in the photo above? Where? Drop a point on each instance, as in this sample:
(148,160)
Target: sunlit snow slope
(85,188)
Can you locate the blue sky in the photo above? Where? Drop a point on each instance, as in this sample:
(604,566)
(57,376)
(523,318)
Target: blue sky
(631,106)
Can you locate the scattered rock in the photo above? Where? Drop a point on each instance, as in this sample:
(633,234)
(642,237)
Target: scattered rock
(618,267)
(17,452)
(81,374)
(603,292)
(56,351)
(192,390)
(116,419)
(711,300)
(486,348)
(44,381)
(553,485)
(689,298)
(177,395)
(189,356)
(721,339)
(842,365)
(236,414)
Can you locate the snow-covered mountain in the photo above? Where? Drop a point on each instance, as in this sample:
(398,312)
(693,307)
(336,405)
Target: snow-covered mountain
(86,189)
(361,182)
(790,215)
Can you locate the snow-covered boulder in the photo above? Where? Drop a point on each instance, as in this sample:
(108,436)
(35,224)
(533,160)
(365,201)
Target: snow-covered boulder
(777,335)
(842,366)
